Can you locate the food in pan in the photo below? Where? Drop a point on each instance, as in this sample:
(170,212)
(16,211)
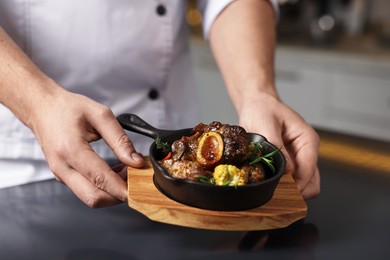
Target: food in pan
(218,154)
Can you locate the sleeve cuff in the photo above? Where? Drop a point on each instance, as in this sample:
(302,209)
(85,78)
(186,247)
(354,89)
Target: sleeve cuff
(210,9)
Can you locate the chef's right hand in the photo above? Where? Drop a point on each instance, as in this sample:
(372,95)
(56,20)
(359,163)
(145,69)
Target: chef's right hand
(65,126)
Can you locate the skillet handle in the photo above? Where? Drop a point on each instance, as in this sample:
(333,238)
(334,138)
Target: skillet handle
(135,124)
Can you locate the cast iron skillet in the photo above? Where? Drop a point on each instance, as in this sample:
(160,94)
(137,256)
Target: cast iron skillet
(200,195)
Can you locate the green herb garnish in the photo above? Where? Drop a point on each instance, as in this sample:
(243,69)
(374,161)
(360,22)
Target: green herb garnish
(204,179)
(267,158)
(164,146)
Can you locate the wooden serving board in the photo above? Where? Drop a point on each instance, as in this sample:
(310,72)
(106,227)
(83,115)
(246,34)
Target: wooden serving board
(285,207)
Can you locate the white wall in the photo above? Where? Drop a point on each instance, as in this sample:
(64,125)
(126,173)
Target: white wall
(347,93)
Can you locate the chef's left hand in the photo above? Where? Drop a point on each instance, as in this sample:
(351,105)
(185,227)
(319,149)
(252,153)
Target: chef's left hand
(266,115)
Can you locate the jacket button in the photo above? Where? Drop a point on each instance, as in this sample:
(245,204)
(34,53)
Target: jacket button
(153,94)
(161,10)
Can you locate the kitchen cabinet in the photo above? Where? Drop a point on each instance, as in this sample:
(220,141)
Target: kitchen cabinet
(341,92)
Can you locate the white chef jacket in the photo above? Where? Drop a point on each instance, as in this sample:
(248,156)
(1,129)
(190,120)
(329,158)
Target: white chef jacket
(132,56)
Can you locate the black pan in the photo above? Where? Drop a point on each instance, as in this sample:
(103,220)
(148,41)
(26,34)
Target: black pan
(201,195)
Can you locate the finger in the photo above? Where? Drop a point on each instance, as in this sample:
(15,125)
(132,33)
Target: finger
(277,141)
(86,191)
(123,173)
(121,170)
(116,138)
(118,167)
(305,150)
(290,164)
(98,173)
(313,188)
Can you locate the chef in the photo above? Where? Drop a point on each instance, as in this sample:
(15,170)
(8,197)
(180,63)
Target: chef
(67,68)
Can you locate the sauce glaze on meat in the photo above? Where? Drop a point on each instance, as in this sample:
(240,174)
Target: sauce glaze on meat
(209,146)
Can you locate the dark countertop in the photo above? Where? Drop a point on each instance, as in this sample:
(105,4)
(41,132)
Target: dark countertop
(350,220)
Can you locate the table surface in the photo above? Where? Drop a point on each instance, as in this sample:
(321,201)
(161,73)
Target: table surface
(349,220)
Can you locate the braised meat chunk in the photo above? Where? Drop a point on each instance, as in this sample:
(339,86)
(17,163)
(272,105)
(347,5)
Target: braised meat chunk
(217,153)
(235,140)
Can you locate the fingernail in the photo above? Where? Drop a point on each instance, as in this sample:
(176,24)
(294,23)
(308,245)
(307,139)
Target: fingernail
(136,157)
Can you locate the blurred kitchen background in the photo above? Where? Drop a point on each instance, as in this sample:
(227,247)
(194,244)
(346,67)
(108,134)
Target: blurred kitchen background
(332,66)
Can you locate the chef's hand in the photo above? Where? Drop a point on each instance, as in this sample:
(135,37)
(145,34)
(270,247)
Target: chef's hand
(66,125)
(266,115)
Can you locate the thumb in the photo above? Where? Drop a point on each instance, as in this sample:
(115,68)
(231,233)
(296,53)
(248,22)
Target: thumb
(116,138)
(126,153)
(272,132)
(278,142)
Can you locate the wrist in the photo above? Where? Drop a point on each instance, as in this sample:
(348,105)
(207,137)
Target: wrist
(44,96)
(30,96)
(23,86)
(255,92)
